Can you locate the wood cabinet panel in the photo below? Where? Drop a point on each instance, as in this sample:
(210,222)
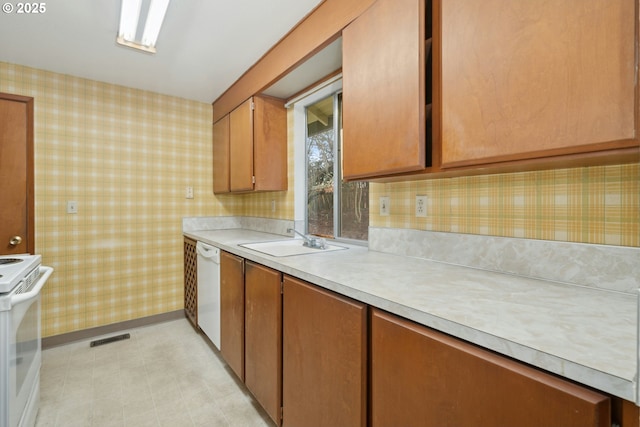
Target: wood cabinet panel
(232,311)
(522,80)
(221,155)
(241,147)
(420,377)
(384,90)
(263,337)
(324,357)
(270,144)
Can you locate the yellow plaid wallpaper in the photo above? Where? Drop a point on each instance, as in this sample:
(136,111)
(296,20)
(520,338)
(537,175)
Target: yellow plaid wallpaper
(597,204)
(126,156)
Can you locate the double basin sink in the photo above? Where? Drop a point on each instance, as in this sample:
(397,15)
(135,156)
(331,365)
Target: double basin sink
(288,247)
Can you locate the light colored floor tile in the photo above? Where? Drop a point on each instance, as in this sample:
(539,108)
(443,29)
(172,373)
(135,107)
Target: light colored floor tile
(164,375)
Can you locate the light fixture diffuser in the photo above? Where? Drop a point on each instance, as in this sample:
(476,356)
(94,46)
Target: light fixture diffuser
(129,18)
(129,15)
(157,11)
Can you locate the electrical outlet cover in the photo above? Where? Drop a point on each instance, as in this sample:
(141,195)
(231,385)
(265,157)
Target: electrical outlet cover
(72,207)
(421,206)
(384,206)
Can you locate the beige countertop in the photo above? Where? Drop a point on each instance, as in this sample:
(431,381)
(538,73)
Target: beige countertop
(582,333)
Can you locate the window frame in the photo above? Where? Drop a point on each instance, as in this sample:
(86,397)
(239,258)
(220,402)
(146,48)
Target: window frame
(333,87)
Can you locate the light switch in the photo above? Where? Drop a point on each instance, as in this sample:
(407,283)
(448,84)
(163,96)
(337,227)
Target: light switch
(384,205)
(72,207)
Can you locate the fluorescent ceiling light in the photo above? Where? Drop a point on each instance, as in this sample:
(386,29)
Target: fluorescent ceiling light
(129,14)
(157,10)
(129,17)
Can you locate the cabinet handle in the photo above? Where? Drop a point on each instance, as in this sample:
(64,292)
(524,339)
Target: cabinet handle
(15,240)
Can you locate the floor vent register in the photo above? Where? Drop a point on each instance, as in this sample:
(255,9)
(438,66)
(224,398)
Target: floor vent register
(109,340)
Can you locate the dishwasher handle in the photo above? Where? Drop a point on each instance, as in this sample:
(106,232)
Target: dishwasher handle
(209,252)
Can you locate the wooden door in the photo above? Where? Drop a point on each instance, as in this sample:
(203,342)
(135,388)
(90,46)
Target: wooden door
(221,155)
(420,377)
(232,312)
(324,357)
(241,147)
(532,79)
(263,337)
(383,72)
(17,214)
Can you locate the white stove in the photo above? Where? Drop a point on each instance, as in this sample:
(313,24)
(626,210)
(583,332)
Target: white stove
(15,268)
(21,280)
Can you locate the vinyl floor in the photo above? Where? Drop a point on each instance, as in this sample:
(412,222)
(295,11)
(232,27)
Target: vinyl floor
(164,375)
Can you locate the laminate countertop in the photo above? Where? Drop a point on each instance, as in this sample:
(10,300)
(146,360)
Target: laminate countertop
(584,334)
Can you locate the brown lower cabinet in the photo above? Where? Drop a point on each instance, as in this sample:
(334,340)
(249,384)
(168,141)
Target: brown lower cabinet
(312,357)
(324,357)
(232,311)
(263,337)
(420,377)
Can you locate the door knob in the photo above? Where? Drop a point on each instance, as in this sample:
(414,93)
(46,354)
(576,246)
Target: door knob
(15,240)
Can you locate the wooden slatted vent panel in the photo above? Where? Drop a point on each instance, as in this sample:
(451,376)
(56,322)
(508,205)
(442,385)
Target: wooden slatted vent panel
(190,281)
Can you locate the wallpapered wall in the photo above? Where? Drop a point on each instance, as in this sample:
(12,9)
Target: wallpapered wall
(127,155)
(589,205)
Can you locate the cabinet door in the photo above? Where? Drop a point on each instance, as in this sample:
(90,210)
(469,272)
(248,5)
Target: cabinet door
(241,147)
(221,155)
(270,144)
(530,79)
(232,312)
(263,337)
(383,69)
(420,377)
(324,357)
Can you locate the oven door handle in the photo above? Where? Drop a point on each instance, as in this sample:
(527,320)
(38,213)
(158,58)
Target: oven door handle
(45,273)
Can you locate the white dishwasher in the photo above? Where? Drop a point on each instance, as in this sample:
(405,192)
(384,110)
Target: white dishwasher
(209,291)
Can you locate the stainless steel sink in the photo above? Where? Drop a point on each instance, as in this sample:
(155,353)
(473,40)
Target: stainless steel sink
(288,247)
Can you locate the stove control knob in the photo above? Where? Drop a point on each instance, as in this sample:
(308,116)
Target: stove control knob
(15,240)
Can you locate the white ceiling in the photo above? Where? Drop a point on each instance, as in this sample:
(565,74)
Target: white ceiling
(203,48)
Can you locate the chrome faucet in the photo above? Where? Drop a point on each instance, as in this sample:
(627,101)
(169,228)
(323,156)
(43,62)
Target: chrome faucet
(310,241)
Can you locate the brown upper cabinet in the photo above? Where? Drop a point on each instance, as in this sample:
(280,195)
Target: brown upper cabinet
(250,147)
(221,155)
(461,87)
(523,80)
(384,90)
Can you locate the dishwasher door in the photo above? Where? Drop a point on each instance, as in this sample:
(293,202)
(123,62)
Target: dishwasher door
(209,291)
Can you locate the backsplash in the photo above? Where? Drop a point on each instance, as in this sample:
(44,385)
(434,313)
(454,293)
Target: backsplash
(607,267)
(598,204)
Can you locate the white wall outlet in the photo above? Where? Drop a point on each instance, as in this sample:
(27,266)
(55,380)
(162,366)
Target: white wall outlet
(421,206)
(72,207)
(188,193)
(385,207)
